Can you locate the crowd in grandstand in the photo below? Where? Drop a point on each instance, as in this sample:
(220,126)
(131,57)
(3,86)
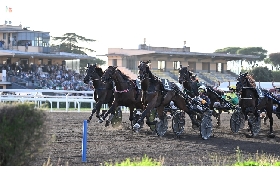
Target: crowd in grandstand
(56,77)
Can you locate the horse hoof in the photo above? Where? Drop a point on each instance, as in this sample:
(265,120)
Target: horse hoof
(100,120)
(249,135)
(107,123)
(169,117)
(271,135)
(88,121)
(136,127)
(90,118)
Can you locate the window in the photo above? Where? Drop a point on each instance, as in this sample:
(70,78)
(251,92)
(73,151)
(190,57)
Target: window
(114,62)
(161,65)
(176,65)
(4,35)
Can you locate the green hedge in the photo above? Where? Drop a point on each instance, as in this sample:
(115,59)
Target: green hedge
(22,133)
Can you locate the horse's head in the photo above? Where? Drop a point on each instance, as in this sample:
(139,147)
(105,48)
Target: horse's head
(244,80)
(184,75)
(91,74)
(144,69)
(109,73)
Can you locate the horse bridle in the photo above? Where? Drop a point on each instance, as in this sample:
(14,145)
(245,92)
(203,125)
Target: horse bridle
(144,72)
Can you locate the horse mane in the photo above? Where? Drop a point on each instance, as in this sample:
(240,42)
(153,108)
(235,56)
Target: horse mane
(125,77)
(251,80)
(99,71)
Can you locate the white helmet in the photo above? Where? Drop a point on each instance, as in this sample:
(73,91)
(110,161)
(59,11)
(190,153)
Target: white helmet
(202,87)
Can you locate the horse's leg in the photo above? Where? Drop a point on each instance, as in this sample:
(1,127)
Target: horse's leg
(131,109)
(269,115)
(96,109)
(148,109)
(218,117)
(110,111)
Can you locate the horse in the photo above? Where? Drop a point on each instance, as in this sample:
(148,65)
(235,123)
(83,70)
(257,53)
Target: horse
(103,93)
(154,95)
(126,92)
(191,86)
(254,100)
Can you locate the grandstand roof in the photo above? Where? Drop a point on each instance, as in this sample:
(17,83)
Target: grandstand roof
(42,55)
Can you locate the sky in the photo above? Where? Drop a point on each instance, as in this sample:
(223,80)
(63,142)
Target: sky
(205,25)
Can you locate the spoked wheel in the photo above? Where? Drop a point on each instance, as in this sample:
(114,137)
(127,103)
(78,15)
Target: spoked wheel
(136,116)
(117,119)
(237,121)
(206,126)
(161,126)
(178,123)
(256,124)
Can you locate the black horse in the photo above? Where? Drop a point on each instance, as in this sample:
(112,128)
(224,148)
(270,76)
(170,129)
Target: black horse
(253,101)
(191,85)
(126,92)
(103,93)
(153,96)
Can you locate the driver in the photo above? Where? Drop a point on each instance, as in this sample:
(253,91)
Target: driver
(231,96)
(203,97)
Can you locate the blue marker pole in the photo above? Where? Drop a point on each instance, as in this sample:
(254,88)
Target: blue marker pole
(84,142)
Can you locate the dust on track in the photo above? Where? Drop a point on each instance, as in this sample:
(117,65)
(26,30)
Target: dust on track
(108,144)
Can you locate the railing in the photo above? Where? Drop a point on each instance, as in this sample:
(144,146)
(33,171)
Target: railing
(36,96)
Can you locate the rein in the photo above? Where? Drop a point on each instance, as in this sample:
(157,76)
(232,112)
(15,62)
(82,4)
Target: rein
(123,91)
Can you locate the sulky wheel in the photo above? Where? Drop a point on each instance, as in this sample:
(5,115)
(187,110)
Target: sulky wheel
(178,122)
(161,125)
(206,126)
(237,121)
(117,119)
(256,124)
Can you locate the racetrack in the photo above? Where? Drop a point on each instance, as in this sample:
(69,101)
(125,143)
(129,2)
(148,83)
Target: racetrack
(108,144)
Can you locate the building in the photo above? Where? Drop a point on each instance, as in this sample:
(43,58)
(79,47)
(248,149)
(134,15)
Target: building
(22,46)
(169,59)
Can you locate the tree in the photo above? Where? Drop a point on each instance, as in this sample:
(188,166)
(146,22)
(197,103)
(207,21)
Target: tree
(69,43)
(228,50)
(256,51)
(274,58)
(262,74)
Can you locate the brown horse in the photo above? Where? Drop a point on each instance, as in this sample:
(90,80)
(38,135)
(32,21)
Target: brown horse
(253,100)
(153,93)
(126,92)
(103,93)
(191,86)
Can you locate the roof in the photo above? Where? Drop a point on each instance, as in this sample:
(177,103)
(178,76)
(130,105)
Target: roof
(180,54)
(38,55)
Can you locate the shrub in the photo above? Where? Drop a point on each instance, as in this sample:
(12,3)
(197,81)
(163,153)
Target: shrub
(22,133)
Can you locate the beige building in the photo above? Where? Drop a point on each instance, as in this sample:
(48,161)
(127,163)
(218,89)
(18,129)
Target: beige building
(22,46)
(170,59)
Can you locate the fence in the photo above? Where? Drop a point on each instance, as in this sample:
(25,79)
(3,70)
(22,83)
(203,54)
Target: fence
(37,96)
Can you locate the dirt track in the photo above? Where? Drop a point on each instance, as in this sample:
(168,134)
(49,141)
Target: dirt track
(108,144)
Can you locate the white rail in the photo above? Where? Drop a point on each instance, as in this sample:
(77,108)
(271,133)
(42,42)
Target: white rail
(36,96)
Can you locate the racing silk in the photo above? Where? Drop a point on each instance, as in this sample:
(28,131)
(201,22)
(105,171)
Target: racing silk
(232,97)
(206,99)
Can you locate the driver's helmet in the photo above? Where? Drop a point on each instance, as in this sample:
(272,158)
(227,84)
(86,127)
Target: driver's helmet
(202,89)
